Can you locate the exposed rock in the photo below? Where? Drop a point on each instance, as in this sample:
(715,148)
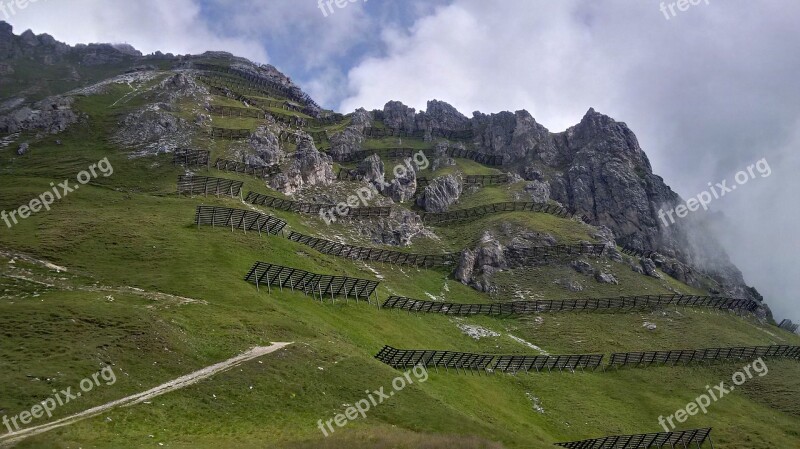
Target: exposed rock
(476,267)
(466,265)
(309,168)
(582,267)
(23,149)
(539,191)
(181,85)
(516,136)
(440,194)
(397,230)
(402,188)
(531,173)
(346,141)
(649,326)
(372,170)
(440,157)
(439,118)
(605,278)
(267,146)
(522,239)
(361,119)
(51,115)
(477,332)
(649,268)
(573,286)
(399,117)
(351,139)
(678,271)
(153,130)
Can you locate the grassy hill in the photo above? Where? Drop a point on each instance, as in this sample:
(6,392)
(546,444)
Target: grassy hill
(152,295)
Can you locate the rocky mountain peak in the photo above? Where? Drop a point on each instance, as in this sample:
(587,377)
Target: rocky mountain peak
(6,29)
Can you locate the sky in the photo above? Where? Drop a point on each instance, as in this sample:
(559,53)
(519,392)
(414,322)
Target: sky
(709,90)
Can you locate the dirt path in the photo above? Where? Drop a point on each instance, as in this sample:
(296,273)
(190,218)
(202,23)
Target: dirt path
(10,439)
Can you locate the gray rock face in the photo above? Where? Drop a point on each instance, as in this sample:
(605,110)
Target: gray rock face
(347,141)
(440,116)
(398,230)
(51,115)
(399,117)
(402,188)
(582,267)
(573,286)
(516,136)
(372,170)
(440,157)
(466,265)
(598,169)
(351,138)
(266,146)
(649,268)
(440,194)
(605,278)
(153,130)
(22,149)
(538,191)
(476,267)
(362,118)
(678,271)
(309,168)
(180,86)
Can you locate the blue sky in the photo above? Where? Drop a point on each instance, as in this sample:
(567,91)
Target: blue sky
(708,91)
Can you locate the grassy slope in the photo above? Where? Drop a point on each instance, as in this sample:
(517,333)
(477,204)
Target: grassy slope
(131,230)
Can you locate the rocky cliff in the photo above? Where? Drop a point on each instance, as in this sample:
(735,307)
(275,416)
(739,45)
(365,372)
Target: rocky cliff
(597,170)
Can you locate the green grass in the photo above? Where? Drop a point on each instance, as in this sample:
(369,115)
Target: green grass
(131,231)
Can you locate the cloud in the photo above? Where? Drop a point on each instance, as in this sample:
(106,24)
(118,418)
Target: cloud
(708,92)
(176,26)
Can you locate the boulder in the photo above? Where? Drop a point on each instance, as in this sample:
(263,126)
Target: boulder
(23,149)
(605,278)
(649,268)
(582,267)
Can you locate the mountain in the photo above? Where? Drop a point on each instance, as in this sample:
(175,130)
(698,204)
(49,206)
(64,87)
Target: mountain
(201,215)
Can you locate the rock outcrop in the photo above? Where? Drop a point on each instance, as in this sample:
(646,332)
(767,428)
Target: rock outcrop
(372,171)
(476,267)
(440,194)
(265,147)
(402,188)
(309,167)
(51,115)
(351,138)
(153,130)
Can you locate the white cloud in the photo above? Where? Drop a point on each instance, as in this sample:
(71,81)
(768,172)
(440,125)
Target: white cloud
(175,26)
